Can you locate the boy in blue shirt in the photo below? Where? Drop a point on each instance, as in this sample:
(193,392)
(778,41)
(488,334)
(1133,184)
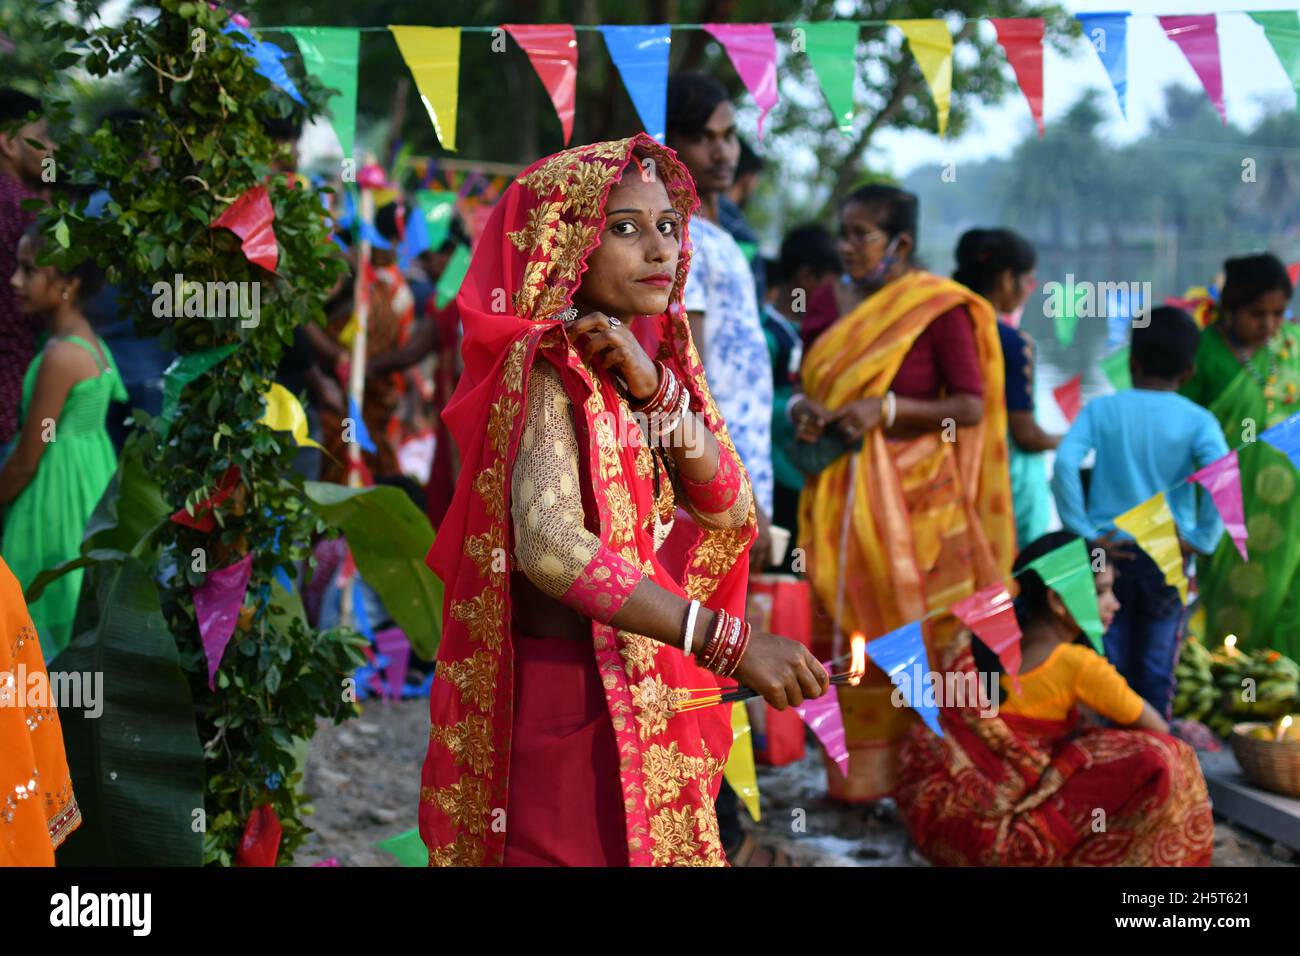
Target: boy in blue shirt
(1147,440)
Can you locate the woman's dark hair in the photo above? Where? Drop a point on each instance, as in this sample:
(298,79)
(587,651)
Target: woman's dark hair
(896,210)
(1166,345)
(15,105)
(1246,278)
(984,254)
(811,247)
(90,274)
(692,98)
(1031,600)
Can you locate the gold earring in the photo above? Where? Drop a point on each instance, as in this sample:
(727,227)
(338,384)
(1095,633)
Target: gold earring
(65,295)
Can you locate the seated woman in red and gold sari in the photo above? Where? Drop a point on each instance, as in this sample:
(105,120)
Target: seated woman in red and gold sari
(1028,783)
(557,733)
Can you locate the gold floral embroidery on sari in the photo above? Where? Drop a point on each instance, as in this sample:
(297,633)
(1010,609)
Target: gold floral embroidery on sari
(673,832)
(470,741)
(482,616)
(465,851)
(655,702)
(668,771)
(571,242)
(537,234)
(474,677)
(465,802)
(638,653)
(490,484)
(483,550)
(501,420)
(512,375)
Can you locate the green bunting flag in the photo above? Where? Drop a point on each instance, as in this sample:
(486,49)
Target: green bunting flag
(1115,367)
(437,207)
(1066,318)
(183,371)
(407,848)
(452,276)
(330,55)
(831,45)
(1282,28)
(1068,572)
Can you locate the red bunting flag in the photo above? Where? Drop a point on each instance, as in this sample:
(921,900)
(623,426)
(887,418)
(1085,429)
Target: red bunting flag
(752,49)
(1198,38)
(1222,479)
(1022,41)
(1293,270)
(991,616)
(553,50)
(1070,398)
(260,845)
(203,519)
(250,217)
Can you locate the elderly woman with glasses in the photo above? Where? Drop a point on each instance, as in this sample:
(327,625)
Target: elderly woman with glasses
(903,428)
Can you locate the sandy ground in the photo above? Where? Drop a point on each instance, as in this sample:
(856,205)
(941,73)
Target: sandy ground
(364,781)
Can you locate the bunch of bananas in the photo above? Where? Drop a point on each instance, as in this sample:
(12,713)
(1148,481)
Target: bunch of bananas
(1225,686)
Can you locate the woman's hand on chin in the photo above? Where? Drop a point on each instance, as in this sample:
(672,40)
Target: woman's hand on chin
(610,343)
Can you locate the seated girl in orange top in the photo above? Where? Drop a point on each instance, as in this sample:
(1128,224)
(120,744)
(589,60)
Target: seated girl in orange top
(1028,784)
(1056,670)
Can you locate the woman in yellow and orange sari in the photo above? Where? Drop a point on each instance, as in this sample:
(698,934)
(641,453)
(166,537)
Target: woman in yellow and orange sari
(919,515)
(37,808)
(568,647)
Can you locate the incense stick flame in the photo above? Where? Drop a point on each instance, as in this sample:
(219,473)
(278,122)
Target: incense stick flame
(858,667)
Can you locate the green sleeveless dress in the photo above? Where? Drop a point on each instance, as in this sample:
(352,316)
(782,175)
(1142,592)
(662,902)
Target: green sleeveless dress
(45,523)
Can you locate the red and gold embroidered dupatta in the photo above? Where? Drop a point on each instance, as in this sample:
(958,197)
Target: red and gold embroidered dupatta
(525,269)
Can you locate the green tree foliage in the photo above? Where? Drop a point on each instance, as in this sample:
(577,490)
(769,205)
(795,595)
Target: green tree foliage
(202,145)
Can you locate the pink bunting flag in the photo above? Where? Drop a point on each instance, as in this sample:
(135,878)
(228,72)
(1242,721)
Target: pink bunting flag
(1222,479)
(1070,398)
(1022,41)
(332,861)
(250,218)
(1198,38)
(392,644)
(752,49)
(991,616)
(216,605)
(823,717)
(553,50)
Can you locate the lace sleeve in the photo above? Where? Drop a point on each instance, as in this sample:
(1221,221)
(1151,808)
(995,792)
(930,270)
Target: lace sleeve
(723,501)
(552,544)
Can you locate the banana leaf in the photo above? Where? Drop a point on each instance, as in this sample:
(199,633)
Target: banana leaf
(137,767)
(389,538)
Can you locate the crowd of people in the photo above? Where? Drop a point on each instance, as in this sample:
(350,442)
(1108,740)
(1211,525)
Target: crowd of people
(643,420)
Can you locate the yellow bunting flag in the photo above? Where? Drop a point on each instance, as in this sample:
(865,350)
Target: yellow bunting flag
(740,772)
(1152,526)
(433,56)
(284,414)
(931,44)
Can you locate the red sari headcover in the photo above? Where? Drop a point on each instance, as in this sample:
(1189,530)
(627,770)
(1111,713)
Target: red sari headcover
(526,266)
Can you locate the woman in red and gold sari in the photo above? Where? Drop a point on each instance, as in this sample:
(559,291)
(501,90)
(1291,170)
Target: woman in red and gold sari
(1028,782)
(558,736)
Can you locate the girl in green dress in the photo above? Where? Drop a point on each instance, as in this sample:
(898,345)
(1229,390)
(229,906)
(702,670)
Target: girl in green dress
(1248,376)
(63,459)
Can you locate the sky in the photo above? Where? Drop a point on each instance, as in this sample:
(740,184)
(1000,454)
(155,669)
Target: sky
(1253,82)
